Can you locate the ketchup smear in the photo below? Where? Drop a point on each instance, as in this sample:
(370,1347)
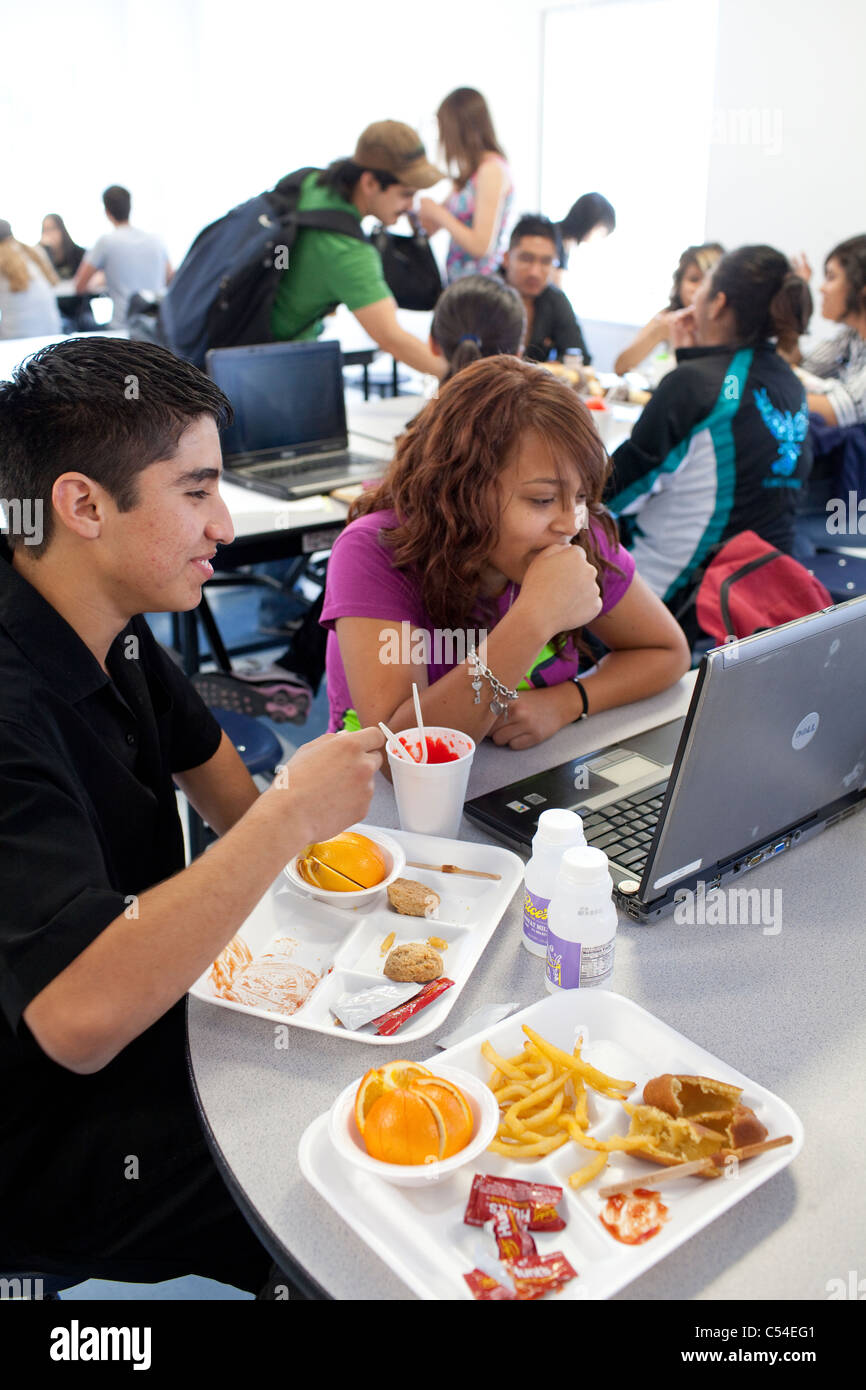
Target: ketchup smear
(437,750)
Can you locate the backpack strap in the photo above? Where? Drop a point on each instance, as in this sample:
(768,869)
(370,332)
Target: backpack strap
(725,587)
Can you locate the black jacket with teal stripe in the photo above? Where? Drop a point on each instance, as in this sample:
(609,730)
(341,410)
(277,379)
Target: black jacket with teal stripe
(721,448)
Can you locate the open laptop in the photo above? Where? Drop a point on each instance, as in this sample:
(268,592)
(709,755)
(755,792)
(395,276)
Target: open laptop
(289,437)
(772,750)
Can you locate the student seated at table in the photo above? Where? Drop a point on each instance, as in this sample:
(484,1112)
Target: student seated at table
(66,256)
(325,269)
(528,266)
(28,305)
(477,316)
(476,211)
(688,277)
(106,1171)
(490,517)
(132,260)
(834,372)
(722,445)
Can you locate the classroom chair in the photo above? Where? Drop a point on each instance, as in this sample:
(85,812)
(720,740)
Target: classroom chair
(261,751)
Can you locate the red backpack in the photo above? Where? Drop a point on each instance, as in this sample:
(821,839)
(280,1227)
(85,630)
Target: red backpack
(750,586)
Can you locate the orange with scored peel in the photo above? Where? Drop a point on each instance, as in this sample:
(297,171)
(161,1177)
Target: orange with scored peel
(405,1114)
(343,864)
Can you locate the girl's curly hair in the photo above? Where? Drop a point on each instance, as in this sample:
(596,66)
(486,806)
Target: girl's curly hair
(444,483)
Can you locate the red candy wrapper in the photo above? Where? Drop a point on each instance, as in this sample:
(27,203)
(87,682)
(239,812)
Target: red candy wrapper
(533,1203)
(541,1274)
(395,1018)
(533,1278)
(484,1286)
(509,1229)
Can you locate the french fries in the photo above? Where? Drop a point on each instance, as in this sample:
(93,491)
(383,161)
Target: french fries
(542,1094)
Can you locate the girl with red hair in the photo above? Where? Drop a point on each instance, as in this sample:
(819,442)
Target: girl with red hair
(490,520)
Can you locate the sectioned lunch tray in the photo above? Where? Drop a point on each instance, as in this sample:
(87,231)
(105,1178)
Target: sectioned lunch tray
(419,1232)
(342,945)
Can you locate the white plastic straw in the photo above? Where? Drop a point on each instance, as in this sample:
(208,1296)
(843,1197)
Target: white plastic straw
(420,722)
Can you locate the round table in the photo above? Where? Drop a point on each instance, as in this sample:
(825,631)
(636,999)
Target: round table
(785,1009)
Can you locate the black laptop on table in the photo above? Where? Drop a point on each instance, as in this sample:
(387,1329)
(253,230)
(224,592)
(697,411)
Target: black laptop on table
(289,436)
(771,751)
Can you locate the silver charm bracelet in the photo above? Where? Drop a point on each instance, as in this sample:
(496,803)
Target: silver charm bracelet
(479,670)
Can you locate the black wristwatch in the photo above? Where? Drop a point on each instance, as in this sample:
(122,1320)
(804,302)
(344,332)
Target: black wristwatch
(579,685)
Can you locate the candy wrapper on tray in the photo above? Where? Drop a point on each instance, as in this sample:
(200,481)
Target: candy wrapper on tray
(534,1202)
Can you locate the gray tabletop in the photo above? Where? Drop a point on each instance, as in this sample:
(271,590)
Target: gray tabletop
(784,1009)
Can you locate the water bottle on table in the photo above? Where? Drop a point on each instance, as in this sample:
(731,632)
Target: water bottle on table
(557,831)
(581,923)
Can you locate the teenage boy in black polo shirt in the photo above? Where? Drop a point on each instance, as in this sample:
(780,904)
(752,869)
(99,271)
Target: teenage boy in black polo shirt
(528,265)
(102,929)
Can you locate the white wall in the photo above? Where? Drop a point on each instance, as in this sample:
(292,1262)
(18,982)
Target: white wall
(787,162)
(198,104)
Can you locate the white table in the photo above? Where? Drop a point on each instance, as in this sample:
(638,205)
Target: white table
(785,1010)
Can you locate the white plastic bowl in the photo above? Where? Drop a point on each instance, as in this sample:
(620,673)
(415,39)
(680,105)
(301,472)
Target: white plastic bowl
(349,1145)
(395,859)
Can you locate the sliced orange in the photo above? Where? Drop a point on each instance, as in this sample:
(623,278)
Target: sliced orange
(322,876)
(393,1076)
(351,856)
(453,1110)
(404,1127)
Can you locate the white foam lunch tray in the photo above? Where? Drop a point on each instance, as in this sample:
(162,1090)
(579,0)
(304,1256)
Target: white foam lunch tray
(419,1232)
(343,945)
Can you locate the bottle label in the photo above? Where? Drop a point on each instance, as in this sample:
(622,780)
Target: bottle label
(563,961)
(535,917)
(596,963)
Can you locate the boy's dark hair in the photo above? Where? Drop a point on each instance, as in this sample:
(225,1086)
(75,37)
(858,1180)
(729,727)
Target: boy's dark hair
(590,210)
(533,224)
(99,406)
(851,255)
(118,202)
(343,176)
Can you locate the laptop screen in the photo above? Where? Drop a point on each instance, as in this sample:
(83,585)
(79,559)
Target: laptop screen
(285,396)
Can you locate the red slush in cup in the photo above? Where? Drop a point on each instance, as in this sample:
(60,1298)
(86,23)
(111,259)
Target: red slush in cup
(430,795)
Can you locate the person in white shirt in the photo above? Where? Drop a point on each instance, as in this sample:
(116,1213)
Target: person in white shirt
(131,259)
(28,305)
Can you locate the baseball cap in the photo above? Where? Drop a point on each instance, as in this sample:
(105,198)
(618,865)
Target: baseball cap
(396,149)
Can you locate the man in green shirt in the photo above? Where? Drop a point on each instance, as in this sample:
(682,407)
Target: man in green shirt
(381,179)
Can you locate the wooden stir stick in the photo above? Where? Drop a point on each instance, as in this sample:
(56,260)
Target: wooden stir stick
(452,869)
(697,1165)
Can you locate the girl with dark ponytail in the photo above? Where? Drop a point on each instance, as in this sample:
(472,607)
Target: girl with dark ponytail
(477,316)
(722,446)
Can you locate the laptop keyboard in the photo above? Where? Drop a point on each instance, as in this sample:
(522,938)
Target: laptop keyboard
(296,468)
(625,829)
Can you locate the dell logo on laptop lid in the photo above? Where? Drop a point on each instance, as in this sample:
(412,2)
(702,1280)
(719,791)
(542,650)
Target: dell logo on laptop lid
(806,730)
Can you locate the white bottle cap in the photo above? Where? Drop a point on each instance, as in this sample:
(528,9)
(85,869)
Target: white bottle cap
(557,827)
(584,865)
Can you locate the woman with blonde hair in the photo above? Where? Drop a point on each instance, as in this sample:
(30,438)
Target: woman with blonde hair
(28,307)
(477,210)
(691,269)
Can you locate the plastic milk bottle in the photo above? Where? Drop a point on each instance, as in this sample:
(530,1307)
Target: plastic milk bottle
(557,830)
(581,923)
